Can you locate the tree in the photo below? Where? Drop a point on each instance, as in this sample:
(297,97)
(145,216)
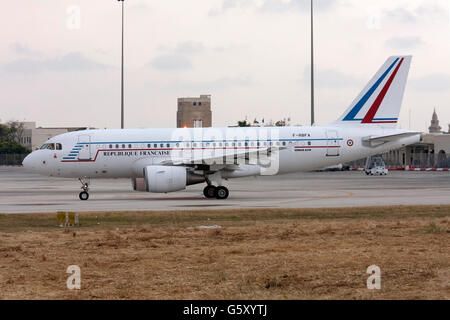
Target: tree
(243,123)
(16,130)
(9,147)
(10,137)
(4,132)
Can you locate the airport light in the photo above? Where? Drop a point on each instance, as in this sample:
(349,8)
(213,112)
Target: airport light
(312,63)
(121,91)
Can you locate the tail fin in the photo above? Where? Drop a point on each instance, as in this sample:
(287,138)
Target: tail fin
(380,101)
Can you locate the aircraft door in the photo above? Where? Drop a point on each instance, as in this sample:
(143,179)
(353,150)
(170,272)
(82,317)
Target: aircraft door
(332,143)
(84,143)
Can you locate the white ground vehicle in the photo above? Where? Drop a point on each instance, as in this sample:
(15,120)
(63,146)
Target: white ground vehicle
(375,166)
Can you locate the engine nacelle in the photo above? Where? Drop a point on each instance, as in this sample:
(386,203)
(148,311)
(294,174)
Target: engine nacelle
(161,179)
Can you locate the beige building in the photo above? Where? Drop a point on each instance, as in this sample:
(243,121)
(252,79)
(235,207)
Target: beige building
(432,151)
(194,112)
(33,138)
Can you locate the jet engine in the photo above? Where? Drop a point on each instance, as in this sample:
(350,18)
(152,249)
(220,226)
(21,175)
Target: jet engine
(161,179)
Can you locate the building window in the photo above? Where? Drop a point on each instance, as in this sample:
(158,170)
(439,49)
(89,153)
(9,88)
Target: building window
(195,103)
(199,103)
(198,123)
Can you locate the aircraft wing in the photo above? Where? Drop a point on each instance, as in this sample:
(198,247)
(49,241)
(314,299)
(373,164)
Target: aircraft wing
(222,156)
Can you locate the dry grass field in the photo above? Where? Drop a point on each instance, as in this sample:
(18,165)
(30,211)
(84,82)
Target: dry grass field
(256,254)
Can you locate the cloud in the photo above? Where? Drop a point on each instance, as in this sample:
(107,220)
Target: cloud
(73,61)
(171,62)
(275,6)
(296,5)
(24,50)
(401,15)
(404,42)
(437,82)
(433,12)
(189,47)
(210,85)
(332,78)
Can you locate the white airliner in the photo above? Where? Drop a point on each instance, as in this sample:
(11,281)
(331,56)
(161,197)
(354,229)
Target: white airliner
(167,160)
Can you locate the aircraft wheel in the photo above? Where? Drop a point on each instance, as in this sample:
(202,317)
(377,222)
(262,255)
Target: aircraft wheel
(84,195)
(209,191)
(222,193)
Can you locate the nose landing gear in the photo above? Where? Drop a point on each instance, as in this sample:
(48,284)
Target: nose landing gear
(84,195)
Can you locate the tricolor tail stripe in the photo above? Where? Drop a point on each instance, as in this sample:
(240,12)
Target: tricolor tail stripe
(357,108)
(369,118)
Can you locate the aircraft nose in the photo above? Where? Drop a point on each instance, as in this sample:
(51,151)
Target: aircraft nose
(28,162)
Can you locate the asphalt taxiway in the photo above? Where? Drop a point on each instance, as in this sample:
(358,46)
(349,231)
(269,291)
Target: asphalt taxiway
(22,192)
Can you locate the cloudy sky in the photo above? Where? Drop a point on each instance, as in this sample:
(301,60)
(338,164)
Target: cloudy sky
(60,59)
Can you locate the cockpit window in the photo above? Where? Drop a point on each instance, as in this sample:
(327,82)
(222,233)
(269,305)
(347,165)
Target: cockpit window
(50,146)
(58,146)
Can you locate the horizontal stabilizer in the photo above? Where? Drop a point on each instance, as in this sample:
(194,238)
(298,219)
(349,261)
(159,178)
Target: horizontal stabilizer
(389,138)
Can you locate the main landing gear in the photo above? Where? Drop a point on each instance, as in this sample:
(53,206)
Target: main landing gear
(219,192)
(84,195)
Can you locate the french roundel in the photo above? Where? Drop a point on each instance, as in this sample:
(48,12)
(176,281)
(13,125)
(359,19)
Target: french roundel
(350,142)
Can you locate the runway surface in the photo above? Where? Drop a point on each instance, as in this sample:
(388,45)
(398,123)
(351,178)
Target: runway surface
(22,192)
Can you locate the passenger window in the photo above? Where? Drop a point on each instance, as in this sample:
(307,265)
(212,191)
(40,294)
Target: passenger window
(117,146)
(129,146)
(155,145)
(168,145)
(110,146)
(284,143)
(58,146)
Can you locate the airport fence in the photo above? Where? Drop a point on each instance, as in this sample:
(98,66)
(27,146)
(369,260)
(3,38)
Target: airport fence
(13,159)
(418,160)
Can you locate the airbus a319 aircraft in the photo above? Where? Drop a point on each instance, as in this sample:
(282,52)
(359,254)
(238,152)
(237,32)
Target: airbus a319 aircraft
(168,160)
